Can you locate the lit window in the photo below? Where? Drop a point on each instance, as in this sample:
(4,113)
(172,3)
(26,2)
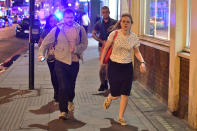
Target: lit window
(188,23)
(157,18)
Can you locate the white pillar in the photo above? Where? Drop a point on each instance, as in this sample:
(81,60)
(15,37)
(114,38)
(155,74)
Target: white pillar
(178,22)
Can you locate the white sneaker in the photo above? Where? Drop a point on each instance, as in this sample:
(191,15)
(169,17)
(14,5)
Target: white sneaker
(63,115)
(71,106)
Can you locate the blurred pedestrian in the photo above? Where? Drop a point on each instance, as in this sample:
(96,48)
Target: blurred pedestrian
(85,21)
(51,22)
(103,28)
(120,68)
(71,43)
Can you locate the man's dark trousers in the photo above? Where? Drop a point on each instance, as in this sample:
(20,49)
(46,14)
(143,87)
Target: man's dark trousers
(66,76)
(51,66)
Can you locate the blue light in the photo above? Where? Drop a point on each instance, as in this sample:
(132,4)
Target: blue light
(58,15)
(84,0)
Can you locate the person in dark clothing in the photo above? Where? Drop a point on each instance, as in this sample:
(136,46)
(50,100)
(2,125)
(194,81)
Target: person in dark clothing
(103,27)
(51,22)
(71,43)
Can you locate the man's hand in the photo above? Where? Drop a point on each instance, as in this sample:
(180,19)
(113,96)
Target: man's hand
(41,58)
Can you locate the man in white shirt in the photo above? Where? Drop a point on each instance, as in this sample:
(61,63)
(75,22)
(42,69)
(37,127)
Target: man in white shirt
(85,21)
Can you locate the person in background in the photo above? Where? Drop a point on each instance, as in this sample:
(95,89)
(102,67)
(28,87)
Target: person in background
(51,22)
(120,67)
(71,43)
(85,21)
(103,27)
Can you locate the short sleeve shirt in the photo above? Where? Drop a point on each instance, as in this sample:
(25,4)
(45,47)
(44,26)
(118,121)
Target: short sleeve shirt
(122,47)
(102,28)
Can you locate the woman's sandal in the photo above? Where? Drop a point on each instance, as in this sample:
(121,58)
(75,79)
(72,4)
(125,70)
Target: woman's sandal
(107,103)
(122,122)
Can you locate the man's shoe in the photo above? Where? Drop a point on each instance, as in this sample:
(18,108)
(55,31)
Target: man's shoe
(63,115)
(71,106)
(102,87)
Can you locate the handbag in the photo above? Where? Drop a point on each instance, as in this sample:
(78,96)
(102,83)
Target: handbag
(109,51)
(50,54)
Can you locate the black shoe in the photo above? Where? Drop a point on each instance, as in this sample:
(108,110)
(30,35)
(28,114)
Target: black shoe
(102,87)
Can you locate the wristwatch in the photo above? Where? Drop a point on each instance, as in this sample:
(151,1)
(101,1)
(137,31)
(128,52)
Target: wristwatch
(143,62)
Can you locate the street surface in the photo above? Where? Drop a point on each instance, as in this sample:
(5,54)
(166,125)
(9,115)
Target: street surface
(22,109)
(9,44)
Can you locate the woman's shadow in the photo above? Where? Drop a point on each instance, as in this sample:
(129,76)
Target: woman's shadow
(115,126)
(105,93)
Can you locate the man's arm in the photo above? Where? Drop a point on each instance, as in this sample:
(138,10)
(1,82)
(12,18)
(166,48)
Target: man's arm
(79,49)
(94,32)
(49,39)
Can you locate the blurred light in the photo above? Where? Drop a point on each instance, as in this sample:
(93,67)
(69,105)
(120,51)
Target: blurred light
(69,4)
(77,4)
(58,15)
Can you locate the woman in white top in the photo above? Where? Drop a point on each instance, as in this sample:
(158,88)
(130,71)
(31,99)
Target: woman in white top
(120,68)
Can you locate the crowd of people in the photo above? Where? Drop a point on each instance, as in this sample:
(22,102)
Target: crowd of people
(67,42)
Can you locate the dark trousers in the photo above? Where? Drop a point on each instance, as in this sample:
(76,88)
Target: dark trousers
(103,74)
(51,66)
(86,28)
(66,76)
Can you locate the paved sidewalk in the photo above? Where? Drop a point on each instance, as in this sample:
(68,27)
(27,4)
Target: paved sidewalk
(32,110)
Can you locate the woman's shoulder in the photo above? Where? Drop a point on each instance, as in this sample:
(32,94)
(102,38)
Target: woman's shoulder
(113,32)
(133,35)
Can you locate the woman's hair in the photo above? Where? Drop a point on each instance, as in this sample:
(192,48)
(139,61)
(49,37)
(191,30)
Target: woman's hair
(47,25)
(117,25)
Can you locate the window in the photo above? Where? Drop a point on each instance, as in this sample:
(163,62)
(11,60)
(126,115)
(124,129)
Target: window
(188,23)
(157,18)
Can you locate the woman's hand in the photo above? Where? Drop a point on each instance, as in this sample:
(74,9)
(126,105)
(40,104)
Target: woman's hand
(142,68)
(101,62)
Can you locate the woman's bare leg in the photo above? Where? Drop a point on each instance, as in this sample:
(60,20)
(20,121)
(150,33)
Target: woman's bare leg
(123,105)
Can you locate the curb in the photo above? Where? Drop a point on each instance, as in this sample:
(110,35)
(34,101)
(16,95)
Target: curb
(9,61)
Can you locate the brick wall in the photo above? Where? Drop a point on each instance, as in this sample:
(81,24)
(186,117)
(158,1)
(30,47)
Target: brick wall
(157,76)
(184,88)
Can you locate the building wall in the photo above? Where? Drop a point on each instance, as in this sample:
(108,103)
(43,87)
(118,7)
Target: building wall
(182,111)
(156,78)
